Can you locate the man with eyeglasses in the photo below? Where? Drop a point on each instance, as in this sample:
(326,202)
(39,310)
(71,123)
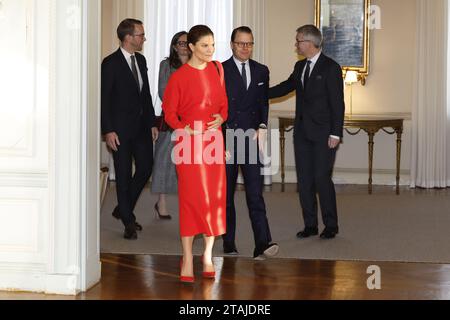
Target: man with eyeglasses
(318,129)
(247,84)
(128,118)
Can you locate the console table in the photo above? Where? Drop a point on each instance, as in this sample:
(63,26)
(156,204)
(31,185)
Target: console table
(370,124)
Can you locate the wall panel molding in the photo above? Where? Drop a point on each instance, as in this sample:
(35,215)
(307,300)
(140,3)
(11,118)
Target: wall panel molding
(22,267)
(27,208)
(19,64)
(26,180)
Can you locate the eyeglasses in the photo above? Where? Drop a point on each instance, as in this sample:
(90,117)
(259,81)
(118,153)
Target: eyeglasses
(182,43)
(300,41)
(139,35)
(245,44)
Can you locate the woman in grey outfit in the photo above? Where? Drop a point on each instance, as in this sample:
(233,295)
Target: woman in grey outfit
(164,180)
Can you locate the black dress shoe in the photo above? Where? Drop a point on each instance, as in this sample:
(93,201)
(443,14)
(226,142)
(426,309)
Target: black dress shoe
(130,232)
(116,214)
(230,248)
(308,232)
(329,233)
(138,226)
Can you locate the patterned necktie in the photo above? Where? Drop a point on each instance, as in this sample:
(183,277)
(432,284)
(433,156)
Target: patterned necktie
(134,70)
(307,72)
(244,75)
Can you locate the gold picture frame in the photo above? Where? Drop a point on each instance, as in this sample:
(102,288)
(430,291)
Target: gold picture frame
(345,28)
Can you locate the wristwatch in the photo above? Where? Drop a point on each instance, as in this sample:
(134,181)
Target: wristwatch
(262,126)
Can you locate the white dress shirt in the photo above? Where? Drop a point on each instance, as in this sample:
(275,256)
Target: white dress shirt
(311,67)
(127,56)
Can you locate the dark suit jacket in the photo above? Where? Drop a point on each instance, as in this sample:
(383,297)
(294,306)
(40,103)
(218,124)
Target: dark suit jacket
(321,104)
(125,110)
(247,109)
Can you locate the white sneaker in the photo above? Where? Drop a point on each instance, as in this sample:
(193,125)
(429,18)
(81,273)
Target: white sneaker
(261,257)
(272,250)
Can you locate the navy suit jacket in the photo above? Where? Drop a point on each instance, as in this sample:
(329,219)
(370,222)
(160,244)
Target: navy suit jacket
(125,110)
(247,109)
(320,106)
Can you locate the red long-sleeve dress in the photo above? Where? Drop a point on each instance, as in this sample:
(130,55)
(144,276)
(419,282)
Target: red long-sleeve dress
(191,98)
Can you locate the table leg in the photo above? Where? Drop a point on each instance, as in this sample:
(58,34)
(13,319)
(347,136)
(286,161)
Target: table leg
(399,152)
(371,144)
(282,144)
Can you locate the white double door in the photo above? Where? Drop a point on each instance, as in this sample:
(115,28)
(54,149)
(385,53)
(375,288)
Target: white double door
(49,145)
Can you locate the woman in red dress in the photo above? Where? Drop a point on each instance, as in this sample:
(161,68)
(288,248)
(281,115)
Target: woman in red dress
(195,105)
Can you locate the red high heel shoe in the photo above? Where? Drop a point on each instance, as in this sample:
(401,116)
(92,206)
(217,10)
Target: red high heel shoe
(208,275)
(184,278)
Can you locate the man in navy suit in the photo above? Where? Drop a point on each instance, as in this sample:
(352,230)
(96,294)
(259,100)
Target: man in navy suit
(247,84)
(318,129)
(128,118)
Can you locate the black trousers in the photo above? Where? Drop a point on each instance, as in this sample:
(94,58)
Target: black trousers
(314,165)
(129,186)
(254,183)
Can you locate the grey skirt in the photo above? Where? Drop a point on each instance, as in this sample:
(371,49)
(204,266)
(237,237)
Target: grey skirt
(164,178)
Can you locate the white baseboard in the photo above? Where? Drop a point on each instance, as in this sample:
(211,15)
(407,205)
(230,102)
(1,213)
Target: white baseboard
(20,281)
(35,281)
(62,284)
(15,277)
